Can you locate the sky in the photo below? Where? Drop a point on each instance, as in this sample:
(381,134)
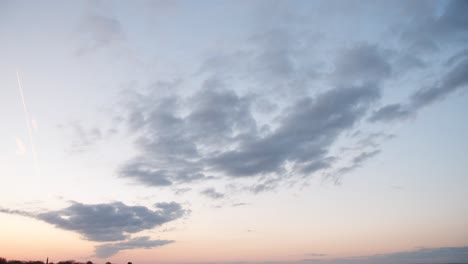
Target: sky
(288,132)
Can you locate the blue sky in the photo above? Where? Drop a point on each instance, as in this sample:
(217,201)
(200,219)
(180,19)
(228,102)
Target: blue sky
(235,131)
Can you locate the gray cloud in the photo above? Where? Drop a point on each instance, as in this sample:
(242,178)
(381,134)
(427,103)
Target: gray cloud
(424,255)
(16,212)
(181,190)
(277,59)
(306,131)
(455,79)
(239,204)
(359,159)
(107,222)
(355,163)
(212,193)
(218,134)
(264,185)
(441,255)
(436,31)
(456,57)
(273,109)
(390,112)
(108,250)
(362,63)
(98,31)
(173,146)
(110,222)
(84,139)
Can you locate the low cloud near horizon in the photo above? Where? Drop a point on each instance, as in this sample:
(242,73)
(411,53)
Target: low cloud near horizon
(110,222)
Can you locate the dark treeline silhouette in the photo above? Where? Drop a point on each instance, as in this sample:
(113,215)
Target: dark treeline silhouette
(5,261)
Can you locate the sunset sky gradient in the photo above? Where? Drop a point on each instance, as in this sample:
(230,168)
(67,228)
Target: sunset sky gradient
(293,132)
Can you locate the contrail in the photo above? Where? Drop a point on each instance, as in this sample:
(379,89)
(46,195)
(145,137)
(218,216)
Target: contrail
(26,114)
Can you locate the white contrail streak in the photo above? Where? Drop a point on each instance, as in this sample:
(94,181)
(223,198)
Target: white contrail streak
(26,114)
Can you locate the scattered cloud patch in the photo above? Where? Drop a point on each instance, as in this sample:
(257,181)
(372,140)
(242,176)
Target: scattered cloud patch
(212,193)
(239,204)
(107,222)
(109,250)
(98,31)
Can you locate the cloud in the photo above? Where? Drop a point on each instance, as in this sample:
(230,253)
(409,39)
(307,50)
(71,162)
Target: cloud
(172,146)
(108,250)
(218,128)
(456,78)
(453,80)
(362,63)
(437,31)
(84,139)
(305,132)
(110,222)
(240,204)
(456,57)
(274,109)
(16,212)
(98,31)
(179,191)
(218,135)
(359,159)
(212,193)
(107,222)
(390,112)
(423,255)
(355,163)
